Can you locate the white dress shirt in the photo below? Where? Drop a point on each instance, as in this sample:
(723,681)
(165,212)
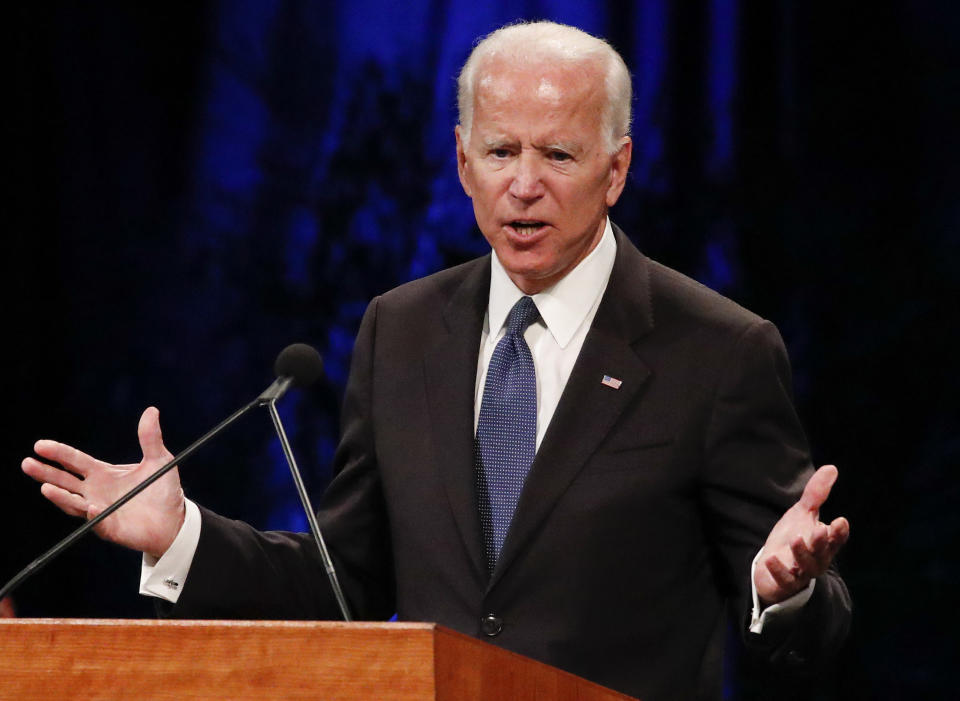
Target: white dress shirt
(566,313)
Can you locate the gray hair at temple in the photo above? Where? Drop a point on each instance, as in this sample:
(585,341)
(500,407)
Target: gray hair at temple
(529,42)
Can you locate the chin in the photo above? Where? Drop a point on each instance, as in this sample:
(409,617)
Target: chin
(530,278)
(525,263)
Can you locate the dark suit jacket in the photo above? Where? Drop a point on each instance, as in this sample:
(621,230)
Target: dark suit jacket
(637,524)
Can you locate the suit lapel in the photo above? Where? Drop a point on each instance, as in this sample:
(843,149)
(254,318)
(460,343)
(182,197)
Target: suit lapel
(588,409)
(450,369)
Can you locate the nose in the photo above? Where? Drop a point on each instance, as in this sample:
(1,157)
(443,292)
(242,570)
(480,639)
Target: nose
(526,184)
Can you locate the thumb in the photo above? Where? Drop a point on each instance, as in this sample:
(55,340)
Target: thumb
(818,488)
(151,439)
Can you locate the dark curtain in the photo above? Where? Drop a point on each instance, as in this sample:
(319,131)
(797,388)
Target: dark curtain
(194,187)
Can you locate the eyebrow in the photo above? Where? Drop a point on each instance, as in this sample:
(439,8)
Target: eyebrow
(497,142)
(566,146)
(501,142)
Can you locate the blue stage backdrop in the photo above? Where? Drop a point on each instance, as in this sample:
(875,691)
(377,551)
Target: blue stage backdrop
(198,186)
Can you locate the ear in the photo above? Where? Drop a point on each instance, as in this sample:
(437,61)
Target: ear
(462,165)
(619,165)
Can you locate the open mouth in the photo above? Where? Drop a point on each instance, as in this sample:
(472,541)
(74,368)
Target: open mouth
(527,227)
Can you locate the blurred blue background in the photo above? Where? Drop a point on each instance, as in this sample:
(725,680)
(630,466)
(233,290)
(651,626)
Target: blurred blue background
(195,186)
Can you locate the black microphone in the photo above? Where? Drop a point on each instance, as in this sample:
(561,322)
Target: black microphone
(298,365)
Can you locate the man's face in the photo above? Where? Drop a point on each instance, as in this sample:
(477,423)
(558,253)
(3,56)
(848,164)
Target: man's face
(537,168)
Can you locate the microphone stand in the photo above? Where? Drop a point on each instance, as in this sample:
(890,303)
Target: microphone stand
(308,508)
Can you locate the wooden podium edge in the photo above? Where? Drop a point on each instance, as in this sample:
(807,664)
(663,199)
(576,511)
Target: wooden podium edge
(194,659)
(468,668)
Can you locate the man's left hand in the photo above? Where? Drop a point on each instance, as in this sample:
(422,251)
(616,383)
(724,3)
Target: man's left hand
(800,547)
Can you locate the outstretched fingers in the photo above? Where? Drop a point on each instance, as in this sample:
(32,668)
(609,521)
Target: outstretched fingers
(800,547)
(69,503)
(72,459)
(42,472)
(813,553)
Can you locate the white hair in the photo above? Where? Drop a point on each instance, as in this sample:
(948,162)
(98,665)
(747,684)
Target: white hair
(528,42)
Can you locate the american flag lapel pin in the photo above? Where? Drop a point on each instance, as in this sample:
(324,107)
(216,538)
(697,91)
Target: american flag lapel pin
(611,382)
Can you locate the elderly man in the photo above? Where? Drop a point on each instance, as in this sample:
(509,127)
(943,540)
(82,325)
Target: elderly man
(563,447)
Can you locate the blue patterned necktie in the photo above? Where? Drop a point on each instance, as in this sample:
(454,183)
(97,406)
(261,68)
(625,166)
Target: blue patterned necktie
(506,439)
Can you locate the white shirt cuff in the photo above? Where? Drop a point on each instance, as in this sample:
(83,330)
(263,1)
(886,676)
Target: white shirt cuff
(782,610)
(164,578)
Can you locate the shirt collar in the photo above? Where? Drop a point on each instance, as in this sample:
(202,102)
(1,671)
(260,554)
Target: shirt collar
(564,306)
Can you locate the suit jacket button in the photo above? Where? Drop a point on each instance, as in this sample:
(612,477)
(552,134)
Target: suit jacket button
(491,625)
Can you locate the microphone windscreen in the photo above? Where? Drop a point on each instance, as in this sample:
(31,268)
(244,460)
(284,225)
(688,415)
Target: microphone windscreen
(300,362)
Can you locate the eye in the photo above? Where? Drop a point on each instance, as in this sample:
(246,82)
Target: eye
(559,156)
(500,152)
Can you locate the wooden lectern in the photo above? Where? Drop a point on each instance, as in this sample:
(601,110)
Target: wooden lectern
(178,660)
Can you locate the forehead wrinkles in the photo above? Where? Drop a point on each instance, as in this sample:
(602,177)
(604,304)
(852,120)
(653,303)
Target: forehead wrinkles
(552,94)
(561,104)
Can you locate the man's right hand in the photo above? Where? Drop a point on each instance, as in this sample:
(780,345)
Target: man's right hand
(84,486)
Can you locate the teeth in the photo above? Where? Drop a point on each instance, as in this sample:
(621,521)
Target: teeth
(527,225)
